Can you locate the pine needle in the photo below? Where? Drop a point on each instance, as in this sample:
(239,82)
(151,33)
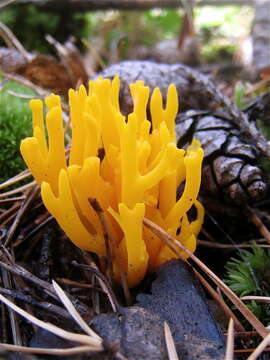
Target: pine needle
(73,312)
(60,352)
(264,299)
(260,348)
(170,343)
(230,341)
(79,338)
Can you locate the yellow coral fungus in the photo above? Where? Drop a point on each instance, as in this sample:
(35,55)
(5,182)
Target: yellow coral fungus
(137,177)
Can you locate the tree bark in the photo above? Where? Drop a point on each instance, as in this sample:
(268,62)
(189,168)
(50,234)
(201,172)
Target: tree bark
(81,5)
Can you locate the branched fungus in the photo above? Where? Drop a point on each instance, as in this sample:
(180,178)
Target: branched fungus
(137,177)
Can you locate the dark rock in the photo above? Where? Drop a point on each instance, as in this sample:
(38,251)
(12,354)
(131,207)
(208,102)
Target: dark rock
(138,332)
(178,298)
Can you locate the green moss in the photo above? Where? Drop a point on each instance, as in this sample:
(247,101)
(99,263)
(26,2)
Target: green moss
(249,274)
(15,124)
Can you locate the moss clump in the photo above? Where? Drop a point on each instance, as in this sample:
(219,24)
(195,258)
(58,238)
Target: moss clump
(249,275)
(15,124)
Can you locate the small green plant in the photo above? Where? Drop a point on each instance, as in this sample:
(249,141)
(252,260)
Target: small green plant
(249,275)
(15,124)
